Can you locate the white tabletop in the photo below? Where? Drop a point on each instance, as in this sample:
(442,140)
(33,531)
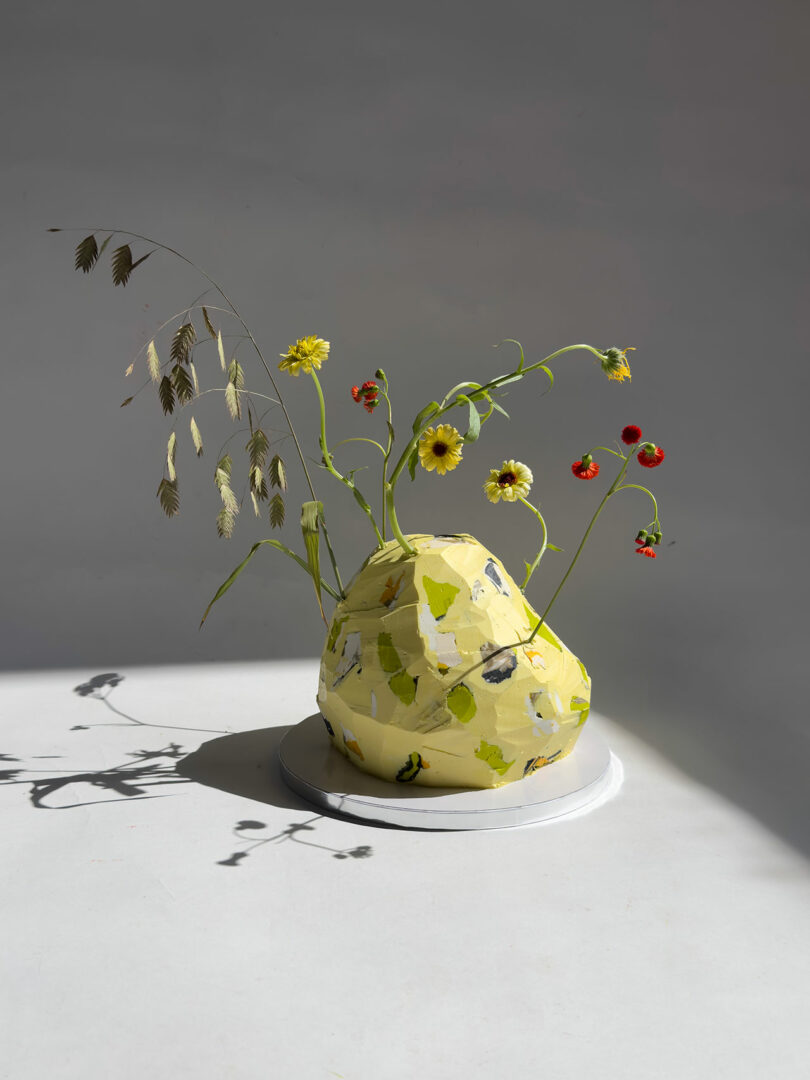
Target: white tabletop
(664,935)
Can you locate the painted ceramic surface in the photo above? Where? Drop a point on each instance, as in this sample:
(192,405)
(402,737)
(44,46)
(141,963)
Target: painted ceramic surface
(402,689)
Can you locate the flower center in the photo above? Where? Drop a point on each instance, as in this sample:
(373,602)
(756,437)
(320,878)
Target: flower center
(440,449)
(507,479)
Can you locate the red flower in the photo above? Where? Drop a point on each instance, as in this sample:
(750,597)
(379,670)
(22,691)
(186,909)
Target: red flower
(650,455)
(367,394)
(631,434)
(645,549)
(585,471)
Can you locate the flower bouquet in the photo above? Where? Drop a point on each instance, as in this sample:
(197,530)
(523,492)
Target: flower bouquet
(436,668)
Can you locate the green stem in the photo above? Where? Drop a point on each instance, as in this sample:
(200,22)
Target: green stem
(479,391)
(611,491)
(359,438)
(387,454)
(639,487)
(327,460)
(531,569)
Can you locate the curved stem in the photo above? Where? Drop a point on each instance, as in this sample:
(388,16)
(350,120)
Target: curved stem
(479,391)
(327,460)
(610,491)
(615,453)
(531,569)
(639,487)
(358,438)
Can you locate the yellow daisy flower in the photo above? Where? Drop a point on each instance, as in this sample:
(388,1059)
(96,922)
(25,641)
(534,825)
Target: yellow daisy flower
(512,481)
(440,449)
(307,353)
(615,364)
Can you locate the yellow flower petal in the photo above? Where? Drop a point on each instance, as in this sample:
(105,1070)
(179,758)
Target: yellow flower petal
(440,448)
(512,481)
(307,353)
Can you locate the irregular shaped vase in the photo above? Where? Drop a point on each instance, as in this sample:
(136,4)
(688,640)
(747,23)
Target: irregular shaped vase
(402,686)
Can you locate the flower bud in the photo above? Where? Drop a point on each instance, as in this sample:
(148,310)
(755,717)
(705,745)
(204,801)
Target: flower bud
(657,537)
(641,536)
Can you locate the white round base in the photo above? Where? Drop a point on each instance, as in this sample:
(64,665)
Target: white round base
(589,776)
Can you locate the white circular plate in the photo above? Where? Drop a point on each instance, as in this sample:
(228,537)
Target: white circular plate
(314,769)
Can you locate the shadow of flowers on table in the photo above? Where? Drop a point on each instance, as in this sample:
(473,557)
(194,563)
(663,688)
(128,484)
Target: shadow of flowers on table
(362,851)
(129,780)
(243,764)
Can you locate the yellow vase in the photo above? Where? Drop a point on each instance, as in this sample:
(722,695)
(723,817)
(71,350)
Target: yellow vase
(423,679)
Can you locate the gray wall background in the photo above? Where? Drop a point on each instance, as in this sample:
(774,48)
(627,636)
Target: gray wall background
(416,182)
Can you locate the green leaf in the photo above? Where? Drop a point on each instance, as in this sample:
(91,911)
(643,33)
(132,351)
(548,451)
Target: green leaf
(511,341)
(196,437)
(208,324)
(413,461)
(171,451)
(311,514)
(143,258)
(232,402)
(277,511)
(425,415)
(166,395)
(278,473)
(550,374)
(121,264)
(183,384)
(221,351)
(169,497)
(152,362)
(87,254)
(184,338)
(553,547)
(235,574)
(474,429)
(497,408)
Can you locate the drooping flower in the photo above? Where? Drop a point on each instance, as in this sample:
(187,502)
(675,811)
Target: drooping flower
(650,455)
(631,434)
(512,481)
(367,394)
(440,448)
(307,353)
(586,469)
(645,549)
(615,364)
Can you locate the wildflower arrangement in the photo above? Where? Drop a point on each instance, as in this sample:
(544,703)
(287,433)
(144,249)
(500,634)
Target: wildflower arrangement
(435,443)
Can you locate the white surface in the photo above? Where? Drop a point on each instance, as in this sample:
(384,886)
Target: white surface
(663,936)
(581,781)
